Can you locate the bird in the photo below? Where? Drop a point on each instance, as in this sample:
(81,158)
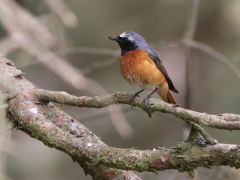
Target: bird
(140,65)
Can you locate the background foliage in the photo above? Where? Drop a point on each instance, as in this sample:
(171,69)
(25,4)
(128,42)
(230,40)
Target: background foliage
(78,35)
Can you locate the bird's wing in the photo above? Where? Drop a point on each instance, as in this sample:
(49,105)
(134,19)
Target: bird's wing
(156,59)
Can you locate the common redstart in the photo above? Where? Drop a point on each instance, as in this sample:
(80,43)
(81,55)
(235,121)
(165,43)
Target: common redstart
(140,65)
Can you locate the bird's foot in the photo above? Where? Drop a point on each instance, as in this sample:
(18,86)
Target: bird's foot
(175,105)
(132,99)
(146,101)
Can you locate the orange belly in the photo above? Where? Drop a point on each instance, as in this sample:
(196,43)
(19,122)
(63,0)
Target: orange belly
(138,69)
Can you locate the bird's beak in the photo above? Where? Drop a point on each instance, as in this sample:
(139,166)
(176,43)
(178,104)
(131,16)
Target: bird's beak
(114,38)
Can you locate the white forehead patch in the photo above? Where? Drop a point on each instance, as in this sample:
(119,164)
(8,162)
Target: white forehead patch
(124,34)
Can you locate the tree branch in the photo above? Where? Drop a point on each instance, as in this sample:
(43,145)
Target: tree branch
(50,125)
(189,34)
(29,109)
(192,20)
(225,121)
(215,54)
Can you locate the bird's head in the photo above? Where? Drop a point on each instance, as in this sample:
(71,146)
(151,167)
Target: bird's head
(129,41)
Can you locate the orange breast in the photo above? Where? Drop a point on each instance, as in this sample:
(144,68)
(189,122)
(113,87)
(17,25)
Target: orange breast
(138,69)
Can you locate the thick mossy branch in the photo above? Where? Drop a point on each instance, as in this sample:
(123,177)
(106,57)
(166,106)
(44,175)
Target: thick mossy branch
(50,125)
(57,129)
(30,111)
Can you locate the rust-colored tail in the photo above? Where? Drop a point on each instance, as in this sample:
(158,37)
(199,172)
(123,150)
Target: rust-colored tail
(165,94)
(167,97)
(170,98)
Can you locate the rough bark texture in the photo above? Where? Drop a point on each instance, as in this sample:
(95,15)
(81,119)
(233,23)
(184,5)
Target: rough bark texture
(31,111)
(50,125)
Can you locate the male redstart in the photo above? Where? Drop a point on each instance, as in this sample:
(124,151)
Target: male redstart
(140,65)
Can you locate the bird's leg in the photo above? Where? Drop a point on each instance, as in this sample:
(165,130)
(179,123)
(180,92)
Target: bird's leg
(134,96)
(146,100)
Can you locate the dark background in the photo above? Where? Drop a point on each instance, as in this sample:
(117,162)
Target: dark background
(214,88)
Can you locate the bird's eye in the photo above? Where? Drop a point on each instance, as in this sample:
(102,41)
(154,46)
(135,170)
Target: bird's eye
(123,38)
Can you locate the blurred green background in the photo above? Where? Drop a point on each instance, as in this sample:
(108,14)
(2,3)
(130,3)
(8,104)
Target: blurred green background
(214,88)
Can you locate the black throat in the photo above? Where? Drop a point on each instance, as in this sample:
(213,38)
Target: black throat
(126,47)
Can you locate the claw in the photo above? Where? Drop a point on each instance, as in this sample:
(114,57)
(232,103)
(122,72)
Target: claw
(175,105)
(133,98)
(146,101)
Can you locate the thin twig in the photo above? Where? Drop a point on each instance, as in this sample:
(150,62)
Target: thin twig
(208,50)
(63,11)
(207,138)
(90,50)
(189,34)
(223,121)
(189,78)
(69,74)
(192,20)
(215,54)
